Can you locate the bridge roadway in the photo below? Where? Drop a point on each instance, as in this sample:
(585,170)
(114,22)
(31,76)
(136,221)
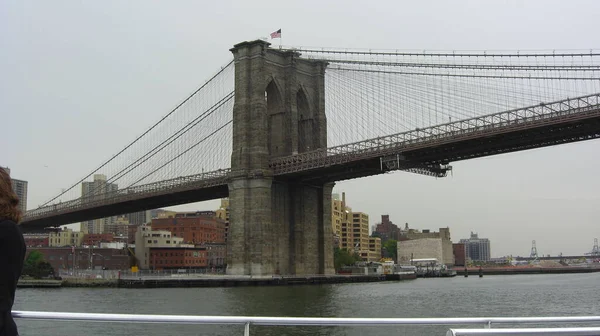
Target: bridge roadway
(425,151)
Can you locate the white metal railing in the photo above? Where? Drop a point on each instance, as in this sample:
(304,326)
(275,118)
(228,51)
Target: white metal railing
(247,321)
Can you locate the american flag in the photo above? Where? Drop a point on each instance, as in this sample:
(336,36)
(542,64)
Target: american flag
(276,34)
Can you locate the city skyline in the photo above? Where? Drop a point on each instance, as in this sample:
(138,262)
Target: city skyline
(548,195)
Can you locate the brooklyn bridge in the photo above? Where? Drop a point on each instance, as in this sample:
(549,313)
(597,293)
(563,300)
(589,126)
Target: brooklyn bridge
(274,129)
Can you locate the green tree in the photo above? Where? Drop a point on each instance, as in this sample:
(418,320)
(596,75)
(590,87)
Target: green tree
(34,258)
(35,266)
(342,257)
(391,246)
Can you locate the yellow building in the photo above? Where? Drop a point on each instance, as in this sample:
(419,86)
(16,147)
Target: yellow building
(166,214)
(339,213)
(223,214)
(65,237)
(351,230)
(374,249)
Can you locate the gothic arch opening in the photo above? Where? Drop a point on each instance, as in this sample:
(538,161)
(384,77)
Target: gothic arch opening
(305,123)
(276,120)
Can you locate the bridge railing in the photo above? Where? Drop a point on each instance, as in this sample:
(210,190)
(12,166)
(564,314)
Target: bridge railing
(512,120)
(485,324)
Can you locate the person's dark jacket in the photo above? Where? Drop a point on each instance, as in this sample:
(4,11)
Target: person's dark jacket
(12,255)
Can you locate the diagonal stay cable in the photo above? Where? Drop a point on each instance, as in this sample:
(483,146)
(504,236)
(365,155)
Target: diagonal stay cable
(172,138)
(182,153)
(142,135)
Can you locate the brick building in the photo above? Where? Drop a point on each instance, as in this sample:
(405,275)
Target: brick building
(194,227)
(36,240)
(67,258)
(387,230)
(178,257)
(460,254)
(131,230)
(223,214)
(94,239)
(216,254)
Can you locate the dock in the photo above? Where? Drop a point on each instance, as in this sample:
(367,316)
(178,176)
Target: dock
(42,283)
(233,281)
(528,270)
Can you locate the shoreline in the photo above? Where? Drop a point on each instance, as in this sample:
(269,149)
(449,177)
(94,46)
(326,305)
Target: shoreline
(527,270)
(225,281)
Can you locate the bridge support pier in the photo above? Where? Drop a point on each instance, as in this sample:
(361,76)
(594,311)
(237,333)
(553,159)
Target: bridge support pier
(276,226)
(281,228)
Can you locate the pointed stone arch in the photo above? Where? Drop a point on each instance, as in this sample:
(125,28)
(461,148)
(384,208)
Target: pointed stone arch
(276,119)
(306,122)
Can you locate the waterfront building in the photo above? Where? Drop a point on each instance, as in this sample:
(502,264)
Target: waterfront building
(151,245)
(460,254)
(69,258)
(65,237)
(197,227)
(351,230)
(477,249)
(223,214)
(426,244)
(94,239)
(36,239)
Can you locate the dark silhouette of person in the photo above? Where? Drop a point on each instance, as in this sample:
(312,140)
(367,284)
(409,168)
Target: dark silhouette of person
(12,253)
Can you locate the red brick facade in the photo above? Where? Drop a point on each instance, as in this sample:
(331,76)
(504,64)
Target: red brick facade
(178,257)
(460,254)
(67,258)
(36,240)
(194,228)
(131,230)
(387,230)
(91,239)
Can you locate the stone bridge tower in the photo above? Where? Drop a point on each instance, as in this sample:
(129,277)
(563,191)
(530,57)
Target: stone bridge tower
(277,226)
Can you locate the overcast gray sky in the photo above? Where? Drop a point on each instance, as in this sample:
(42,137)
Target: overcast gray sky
(80,79)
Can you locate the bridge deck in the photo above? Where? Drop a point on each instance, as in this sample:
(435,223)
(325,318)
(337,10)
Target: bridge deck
(425,150)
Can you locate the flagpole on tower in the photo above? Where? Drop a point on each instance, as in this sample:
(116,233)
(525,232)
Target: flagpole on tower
(277,34)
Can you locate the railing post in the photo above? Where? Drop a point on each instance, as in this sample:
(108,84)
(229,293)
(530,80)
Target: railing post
(247,329)
(488,325)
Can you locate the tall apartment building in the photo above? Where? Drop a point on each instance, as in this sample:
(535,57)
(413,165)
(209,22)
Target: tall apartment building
(98,188)
(387,230)
(139,218)
(351,230)
(477,249)
(223,214)
(339,214)
(20,188)
(120,228)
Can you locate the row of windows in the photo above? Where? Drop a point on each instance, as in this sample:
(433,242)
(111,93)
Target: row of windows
(179,262)
(177,254)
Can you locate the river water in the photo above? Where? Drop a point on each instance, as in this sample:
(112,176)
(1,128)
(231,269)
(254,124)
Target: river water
(517,295)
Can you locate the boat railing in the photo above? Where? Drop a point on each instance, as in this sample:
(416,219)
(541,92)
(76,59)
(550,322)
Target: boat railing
(484,325)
